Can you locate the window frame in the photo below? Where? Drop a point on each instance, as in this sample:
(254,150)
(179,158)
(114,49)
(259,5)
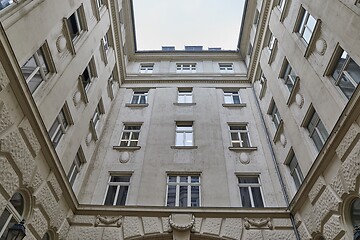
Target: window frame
(76,166)
(249,186)
(185,67)
(295,173)
(274,114)
(226,67)
(131,133)
(146,68)
(186,94)
(61,127)
(118,184)
(140,94)
(184,133)
(302,25)
(308,119)
(285,74)
(239,133)
(178,184)
(80,22)
(231,94)
(13,214)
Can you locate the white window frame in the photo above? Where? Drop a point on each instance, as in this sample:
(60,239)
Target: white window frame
(100,4)
(186,67)
(295,170)
(80,24)
(321,135)
(75,167)
(343,73)
(118,184)
(131,132)
(99,110)
(288,75)
(61,127)
(250,186)
(140,95)
(230,95)
(239,133)
(183,134)
(226,67)
(303,26)
(185,96)
(271,43)
(13,213)
(263,85)
(189,184)
(146,68)
(282,4)
(275,115)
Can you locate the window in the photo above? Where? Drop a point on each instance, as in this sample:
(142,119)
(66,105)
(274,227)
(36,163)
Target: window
(295,170)
(288,75)
(99,3)
(97,115)
(146,68)
(250,49)
(317,131)
(232,97)
(250,191)
(139,97)
(185,96)
(130,135)
(275,115)
(59,127)
(105,41)
(239,135)
(12,214)
(87,75)
(117,189)
(307,25)
(36,69)
(256,17)
(75,167)
(184,134)
(271,42)
(111,81)
(76,24)
(346,73)
(282,4)
(226,67)
(183,191)
(262,85)
(6,3)
(355,213)
(186,68)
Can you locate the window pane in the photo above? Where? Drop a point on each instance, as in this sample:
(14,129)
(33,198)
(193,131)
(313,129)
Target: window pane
(171,196)
(354,71)
(121,199)
(188,139)
(346,86)
(311,23)
(245,140)
(236,99)
(256,193)
(184,179)
(228,99)
(195,198)
(245,197)
(179,139)
(135,99)
(10,224)
(3,219)
(43,64)
(235,136)
(248,180)
(183,196)
(172,178)
(194,179)
(110,196)
(307,35)
(34,82)
(317,140)
(120,179)
(340,65)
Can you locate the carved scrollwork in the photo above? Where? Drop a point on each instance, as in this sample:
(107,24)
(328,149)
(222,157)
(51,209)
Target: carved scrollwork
(184,227)
(260,223)
(117,221)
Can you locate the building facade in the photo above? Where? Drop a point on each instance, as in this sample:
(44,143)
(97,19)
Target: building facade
(100,141)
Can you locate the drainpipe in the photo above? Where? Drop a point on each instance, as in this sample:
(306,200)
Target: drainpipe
(277,169)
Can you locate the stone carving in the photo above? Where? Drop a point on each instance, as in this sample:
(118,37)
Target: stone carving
(88,139)
(61,43)
(299,100)
(348,139)
(212,226)
(131,227)
(4,80)
(151,225)
(165,224)
(117,221)
(38,222)
(124,157)
(184,227)
(54,184)
(77,98)
(231,228)
(318,187)
(244,158)
(332,228)
(28,134)
(258,223)
(9,180)
(197,225)
(337,185)
(5,118)
(321,46)
(351,168)
(15,145)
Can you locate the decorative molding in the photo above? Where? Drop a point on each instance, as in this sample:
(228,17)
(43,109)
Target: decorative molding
(77,98)
(88,139)
(299,99)
(321,46)
(116,221)
(244,158)
(260,223)
(61,43)
(183,227)
(124,157)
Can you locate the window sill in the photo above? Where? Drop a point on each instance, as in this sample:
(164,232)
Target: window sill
(136,105)
(184,104)
(242,149)
(125,149)
(234,105)
(184,147)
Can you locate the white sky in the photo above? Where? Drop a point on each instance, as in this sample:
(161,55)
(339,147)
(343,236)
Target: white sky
(208,23)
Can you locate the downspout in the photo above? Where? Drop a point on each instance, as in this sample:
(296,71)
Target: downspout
(277,169)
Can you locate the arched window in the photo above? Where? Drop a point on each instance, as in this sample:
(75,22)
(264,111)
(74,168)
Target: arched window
(355,212)
(12,214)
(46,237)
